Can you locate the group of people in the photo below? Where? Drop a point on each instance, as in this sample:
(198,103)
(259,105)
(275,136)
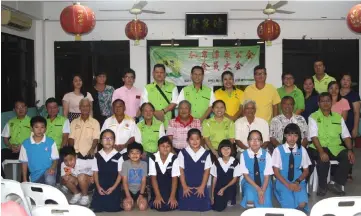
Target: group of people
(129,143)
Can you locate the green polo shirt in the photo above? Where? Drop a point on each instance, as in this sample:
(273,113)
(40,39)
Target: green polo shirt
(200,99)
(321,86)
(297,96)
(20,130)
(150,135)
(54,129)
(158,100)
(329,131)
(218,131)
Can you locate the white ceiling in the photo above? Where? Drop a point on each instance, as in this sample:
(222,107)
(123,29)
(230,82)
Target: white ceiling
(175,10)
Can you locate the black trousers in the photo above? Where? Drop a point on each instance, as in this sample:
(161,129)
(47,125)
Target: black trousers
(341,172)
(7,154)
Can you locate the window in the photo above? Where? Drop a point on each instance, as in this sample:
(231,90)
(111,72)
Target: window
(338,55)
(87,58)
(17,71)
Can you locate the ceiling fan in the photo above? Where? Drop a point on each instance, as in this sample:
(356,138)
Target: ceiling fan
(270,9)
(136,9)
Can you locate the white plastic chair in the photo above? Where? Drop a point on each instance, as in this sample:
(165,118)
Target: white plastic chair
(272,212)
(56,210)
(40,193)
(11,190)
(314,176)
(337,206)
(15,164)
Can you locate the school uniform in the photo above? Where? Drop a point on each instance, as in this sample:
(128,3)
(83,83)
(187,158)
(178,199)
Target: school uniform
(164,173)
(108,167)
(225,172)
(290,170)
(256,170)
(194,164)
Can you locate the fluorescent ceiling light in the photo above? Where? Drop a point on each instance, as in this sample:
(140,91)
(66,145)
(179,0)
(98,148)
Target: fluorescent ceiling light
(168,44)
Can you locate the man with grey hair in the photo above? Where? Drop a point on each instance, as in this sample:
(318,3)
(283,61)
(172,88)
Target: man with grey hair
(248,123)
(179,127)
(84,131)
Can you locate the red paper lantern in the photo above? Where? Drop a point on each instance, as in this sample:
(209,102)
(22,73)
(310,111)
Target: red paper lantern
(268,30)
(354,18)
(77,19)
(136,30)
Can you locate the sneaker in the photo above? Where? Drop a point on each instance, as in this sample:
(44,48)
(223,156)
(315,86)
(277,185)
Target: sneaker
(336,189)
(229,203)
(64,189)
(321,191)
(84,201)
(75,199)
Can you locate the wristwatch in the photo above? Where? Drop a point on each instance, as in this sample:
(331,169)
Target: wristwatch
(350,150)
(298,181)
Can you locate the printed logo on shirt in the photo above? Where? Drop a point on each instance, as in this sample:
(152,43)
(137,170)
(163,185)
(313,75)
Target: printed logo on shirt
(135,176)
(318,120)
(203,161)
(11,124)
(137,97)
(77,126)
(297,154)
(113,160)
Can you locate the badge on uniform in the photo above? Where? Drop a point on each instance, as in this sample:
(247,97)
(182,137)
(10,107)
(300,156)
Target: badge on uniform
(113,160)
(46,148)
(137,97)
(318,120)
(170,167)
(203,161)
(256,173)
(11,124)
(231,167)
(297,154)
(261,159)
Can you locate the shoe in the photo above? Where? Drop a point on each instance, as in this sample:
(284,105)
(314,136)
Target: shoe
(321,191)
(84,201)
(75,199)
(64,189)
(349,178)
(336,189)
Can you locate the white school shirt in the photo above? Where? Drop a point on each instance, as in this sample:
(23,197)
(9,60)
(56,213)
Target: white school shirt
(268,168)
(211,97)
(123,131)
(225,167)
(195,156)
(107,157)
(146,100)
(277,161)
(81,167)
(23,157)
(163,167)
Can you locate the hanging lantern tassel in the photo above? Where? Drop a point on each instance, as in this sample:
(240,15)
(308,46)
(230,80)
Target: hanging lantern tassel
(268,43)
(77,37)
(136,42)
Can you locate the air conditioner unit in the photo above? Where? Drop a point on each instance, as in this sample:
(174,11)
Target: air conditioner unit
(15,20)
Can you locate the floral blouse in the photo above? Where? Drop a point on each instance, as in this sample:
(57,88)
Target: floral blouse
(105,101)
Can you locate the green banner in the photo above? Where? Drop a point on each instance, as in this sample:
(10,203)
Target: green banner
(215,60)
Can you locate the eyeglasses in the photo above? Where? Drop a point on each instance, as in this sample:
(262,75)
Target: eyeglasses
(107,139)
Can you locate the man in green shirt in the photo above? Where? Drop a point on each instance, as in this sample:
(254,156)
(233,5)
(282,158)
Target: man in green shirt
(321,78)
(15,132)
(201,97)
(326,129)
(58,127)
(162,94)
(290,89)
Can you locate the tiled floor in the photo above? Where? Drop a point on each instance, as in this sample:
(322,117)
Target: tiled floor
(352,189)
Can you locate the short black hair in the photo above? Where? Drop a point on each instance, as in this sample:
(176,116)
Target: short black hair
(287,97)
(339,87)
(259,67)
(194,131)
(254,131)
(50,100)
(293,128)
(222,144)
(67,150)
(197,68)
(118,100)
(145,104)
(227,73)
(346,74)
(218,101)
(159,66)
(101,73)
(324,94)
(319,60)
(287,73)
(165,139)
(135,145)
(107,131)
(37,119)
(128,70)
(19,101)
(314,92)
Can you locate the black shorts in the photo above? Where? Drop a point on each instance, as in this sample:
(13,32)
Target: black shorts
(134,196)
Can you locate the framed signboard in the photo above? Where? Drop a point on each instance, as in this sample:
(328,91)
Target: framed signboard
(201,24)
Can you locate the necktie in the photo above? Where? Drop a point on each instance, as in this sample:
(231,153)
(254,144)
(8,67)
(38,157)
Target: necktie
(291,171)
(257,175)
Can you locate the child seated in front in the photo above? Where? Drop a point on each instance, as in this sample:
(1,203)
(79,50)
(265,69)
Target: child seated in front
(134,178)
(76,174)
(39,154)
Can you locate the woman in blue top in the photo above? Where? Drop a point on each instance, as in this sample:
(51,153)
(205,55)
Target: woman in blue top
(290,166)
(256,167)
(311,97)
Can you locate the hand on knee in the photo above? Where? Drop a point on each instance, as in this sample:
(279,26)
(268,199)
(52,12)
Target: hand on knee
(127,204)
(142,204)
(302,205)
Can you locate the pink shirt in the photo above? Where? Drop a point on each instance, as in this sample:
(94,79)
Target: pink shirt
(131,98)
(179,131)
(340,106)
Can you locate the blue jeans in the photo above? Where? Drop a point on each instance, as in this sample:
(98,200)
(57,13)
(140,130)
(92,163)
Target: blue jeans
(47,179)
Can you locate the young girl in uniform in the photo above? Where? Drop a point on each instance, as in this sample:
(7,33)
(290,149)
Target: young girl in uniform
(195,163)
(225,172)
(107,165)
(256,167)
(290,170)
(164,172)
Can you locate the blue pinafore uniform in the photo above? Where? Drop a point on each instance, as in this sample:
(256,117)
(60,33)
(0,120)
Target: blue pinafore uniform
(249,193)
(223,178)
(107,174)
(193,172)
(287,198)
(164,184)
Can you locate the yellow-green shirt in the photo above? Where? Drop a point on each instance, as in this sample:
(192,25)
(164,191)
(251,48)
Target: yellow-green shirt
(296,94)
(18,130)
(232,100)
(218,131)
(321,86)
